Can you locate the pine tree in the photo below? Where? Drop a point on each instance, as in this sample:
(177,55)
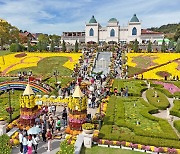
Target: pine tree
(171,45)
(136,46)
(76,47)
(39,46)
(29,46)
(64,46)
(149,48)
(17,49)
(178,46)
(163,46)
(52,46)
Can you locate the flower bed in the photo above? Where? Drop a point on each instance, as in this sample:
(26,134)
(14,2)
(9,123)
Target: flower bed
(169,86)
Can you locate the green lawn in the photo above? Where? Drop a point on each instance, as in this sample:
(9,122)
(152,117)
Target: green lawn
(64,81)
(3,79)
(133,70)
(135,87)
(161,102)
(14,102)
(4,52)
(104,150)
(47,66)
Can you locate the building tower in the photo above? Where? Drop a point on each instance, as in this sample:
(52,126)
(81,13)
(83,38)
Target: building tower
(28,109)
(134,29)
(92,31)
(113,31)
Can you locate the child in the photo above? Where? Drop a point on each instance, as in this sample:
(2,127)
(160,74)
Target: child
(29,143)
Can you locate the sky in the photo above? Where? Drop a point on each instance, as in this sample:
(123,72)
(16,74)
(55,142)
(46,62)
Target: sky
(56,16)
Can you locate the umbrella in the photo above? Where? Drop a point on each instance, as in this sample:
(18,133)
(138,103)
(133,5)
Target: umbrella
(34,130)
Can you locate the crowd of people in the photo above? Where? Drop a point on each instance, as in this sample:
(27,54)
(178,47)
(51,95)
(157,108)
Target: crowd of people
(49,126)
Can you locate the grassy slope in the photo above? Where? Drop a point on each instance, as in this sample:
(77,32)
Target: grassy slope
(103,150)
(14,102)
(6,52)
(47,66)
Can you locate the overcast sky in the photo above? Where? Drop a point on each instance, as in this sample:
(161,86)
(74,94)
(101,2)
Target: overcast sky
(56,16)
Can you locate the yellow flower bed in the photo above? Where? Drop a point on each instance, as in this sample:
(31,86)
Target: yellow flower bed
(160,58)
(170,68)
(31,59)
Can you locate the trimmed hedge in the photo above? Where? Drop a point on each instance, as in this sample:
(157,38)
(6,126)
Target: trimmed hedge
(177,125)
(166,139)
(163,101)
(176,109)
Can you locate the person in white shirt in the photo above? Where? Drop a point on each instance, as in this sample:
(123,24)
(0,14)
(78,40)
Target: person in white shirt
(35,140)
(29,143)
(24,141)
(20,141)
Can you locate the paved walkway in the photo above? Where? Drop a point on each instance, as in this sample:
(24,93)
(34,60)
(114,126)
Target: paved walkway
(102,62)
(164,114)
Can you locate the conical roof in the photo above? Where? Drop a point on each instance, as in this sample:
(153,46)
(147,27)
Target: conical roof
(77,92)
(28,90)
(134,18)
(92,20)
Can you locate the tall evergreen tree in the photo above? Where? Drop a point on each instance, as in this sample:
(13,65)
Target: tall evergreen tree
(52,46)
(64,46)
(76,47)
(163,46)
(39,46)
(29,46)
(18,48)
(171,45)
(178,46)
(149,48)
(136,46)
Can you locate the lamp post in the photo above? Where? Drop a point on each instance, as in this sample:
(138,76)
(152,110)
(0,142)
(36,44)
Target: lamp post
(56,73)
(9,110)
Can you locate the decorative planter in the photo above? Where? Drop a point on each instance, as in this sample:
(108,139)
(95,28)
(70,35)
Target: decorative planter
(102,145)
(88,131)
(114,146)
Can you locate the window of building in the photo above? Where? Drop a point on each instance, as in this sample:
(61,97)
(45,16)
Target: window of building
(112,33)
(134,31)
(91,32)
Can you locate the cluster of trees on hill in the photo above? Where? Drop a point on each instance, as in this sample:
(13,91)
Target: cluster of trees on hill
(172,31)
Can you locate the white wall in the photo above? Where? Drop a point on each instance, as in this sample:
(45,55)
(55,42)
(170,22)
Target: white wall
(95,27)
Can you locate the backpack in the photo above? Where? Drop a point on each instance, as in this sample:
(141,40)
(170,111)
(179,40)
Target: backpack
(58,123)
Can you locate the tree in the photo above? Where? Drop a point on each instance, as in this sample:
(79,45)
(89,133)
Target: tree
(8,33)
(18,47)
(178,46)
(55,38)
(149,48)
(76,47)
(43,38)
(64,46)
(171,45)
(177,34)
(29,46)
(13,47)
(163,46)
(39,46)
(136,46)
(52,46)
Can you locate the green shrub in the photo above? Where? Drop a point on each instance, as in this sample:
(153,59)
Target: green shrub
(66,148)
(5,147)
(163,101)
(177,125)
(176,109)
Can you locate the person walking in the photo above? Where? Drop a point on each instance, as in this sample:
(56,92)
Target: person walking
(58,124)
(51,124)
(20,141)
(43,130)
(29,143)
(49,138)
(25,148)
(35,140)
(64,117)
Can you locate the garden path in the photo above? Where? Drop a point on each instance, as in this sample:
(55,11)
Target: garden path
(163,113)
